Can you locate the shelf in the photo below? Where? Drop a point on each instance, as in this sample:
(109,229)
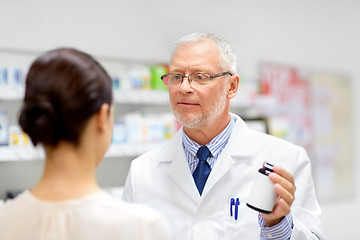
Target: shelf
(7,94)
(146,97)
(149,97)
(10,154)
(130,150)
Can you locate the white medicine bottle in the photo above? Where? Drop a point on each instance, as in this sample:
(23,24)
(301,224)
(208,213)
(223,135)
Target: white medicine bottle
(262,194)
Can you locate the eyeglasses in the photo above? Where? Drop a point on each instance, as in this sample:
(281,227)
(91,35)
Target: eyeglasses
(196,79)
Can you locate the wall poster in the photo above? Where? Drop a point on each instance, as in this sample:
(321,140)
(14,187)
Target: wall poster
(313,110)
(332,136)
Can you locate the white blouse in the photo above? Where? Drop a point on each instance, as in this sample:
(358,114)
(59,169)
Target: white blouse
(94,216)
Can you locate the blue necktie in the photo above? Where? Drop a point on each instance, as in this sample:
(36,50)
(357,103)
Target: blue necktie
(203,169)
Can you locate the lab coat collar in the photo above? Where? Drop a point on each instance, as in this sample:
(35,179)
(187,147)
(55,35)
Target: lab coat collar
(239,144)
(237,149)
(179,169)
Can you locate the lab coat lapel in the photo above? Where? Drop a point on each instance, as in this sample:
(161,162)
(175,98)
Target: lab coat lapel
(234,151)
(222,166)
(237,149)
(179,169)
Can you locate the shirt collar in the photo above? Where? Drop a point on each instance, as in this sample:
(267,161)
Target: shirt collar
(215,145)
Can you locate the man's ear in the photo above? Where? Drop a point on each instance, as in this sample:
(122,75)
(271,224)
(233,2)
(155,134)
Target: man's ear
(103,117)
(233,86)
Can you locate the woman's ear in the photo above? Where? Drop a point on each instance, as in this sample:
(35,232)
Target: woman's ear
(103,116)
(233,86)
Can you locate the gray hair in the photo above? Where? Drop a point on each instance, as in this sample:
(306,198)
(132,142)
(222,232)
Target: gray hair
(228,58)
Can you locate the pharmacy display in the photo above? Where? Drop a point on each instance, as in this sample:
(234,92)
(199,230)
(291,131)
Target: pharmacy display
(311,110)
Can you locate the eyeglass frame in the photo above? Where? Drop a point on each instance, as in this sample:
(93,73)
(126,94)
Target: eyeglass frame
(188,76)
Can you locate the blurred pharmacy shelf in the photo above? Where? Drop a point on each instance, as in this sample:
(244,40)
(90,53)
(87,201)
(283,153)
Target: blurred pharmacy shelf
(130,150)
(17,153)
(120,96)
(9,94)
(149,97)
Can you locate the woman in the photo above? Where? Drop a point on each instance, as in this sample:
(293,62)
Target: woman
(68,110)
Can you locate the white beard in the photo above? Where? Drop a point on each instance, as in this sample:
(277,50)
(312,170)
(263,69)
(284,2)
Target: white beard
(196,121)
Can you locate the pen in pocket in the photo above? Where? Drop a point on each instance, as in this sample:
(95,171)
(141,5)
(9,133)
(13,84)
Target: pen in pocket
(237,203)
(234,203)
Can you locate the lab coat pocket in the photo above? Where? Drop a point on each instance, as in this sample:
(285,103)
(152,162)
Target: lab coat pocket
(240,221)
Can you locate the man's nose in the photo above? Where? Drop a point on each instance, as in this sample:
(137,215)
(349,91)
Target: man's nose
(185,85)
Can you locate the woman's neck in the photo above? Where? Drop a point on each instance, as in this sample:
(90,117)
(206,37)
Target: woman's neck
(69,172)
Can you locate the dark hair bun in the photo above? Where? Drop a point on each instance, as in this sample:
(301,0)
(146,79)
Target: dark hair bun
(39,119)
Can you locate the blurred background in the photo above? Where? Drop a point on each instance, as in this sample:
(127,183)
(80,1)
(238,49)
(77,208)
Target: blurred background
(298,62)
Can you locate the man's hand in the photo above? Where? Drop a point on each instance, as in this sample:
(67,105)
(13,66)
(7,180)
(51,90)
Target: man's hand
(285,189)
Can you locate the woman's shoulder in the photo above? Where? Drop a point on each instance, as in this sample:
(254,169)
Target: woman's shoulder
(116,206)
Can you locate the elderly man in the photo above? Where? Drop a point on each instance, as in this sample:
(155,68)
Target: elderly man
(201,179)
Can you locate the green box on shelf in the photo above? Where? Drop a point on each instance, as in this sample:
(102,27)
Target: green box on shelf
(156,72)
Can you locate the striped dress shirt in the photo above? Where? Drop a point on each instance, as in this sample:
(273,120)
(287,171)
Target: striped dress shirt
(215,146)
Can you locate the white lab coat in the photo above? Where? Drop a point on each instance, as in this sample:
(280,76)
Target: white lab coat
(162,180)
